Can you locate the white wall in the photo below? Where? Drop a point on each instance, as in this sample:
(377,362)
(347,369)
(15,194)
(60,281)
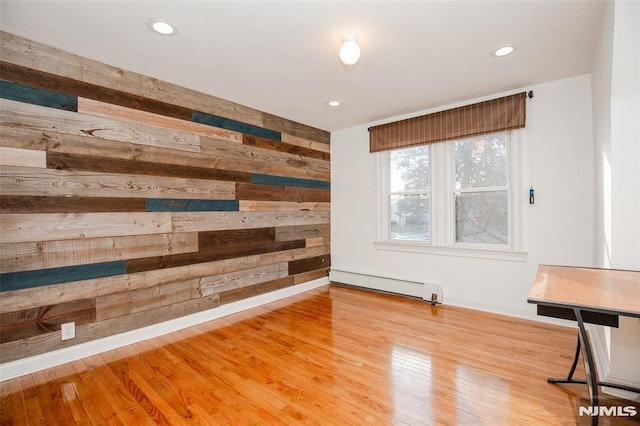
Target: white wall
(558,147)
(616,90)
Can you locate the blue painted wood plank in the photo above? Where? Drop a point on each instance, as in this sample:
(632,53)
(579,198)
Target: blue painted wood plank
(237,126)
(289,181)
(43,277)
(42,97)
(169,205)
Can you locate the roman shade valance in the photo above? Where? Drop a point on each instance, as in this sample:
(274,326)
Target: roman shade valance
(495,115)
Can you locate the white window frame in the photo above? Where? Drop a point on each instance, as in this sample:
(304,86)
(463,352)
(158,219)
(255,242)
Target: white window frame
(442,202)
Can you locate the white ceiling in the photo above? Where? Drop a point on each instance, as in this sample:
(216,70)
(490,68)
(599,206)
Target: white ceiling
(282,56)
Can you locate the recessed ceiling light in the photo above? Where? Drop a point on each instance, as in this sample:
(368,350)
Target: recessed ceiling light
(162,27)
(503,51)
(333,103)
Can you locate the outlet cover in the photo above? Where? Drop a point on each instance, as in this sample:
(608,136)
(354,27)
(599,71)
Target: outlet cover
(68,330)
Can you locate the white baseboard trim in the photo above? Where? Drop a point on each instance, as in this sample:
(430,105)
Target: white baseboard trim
(415,289)
(35,363)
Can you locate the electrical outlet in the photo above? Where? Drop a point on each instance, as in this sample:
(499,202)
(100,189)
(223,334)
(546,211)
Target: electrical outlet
(68,330)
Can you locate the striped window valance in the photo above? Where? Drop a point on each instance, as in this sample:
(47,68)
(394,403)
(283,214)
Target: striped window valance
(490,116)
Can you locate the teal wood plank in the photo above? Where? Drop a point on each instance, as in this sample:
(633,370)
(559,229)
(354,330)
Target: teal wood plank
(237,126)
(169,205)
(43,277)
(42,97)
(289,181)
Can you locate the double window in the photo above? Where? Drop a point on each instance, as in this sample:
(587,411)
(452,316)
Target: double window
(459,194)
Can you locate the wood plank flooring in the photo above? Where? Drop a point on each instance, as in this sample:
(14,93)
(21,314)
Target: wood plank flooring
(332,356)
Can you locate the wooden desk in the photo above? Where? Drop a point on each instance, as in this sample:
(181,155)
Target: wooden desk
(590,295)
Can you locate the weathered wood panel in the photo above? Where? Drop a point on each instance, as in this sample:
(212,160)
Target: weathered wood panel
(306,143)
(283,147)
(234,280)
(48,81)
(101,109)
(270,206)
(31,204)
(63,161)
(60,183)
(234,250)
(50,254)
(45,319)
(216,154)
(126,303)
(28,298)
(22,157)
(310,264)
(218,221)
(36,117)
(255,192)
(255,290)
(18,228)
(120,190)
(290,233)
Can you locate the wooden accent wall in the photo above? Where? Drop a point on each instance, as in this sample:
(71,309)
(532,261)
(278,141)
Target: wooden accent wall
(126,201)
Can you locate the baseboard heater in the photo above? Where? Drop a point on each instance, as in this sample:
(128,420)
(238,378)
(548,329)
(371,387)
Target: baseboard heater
(427,291)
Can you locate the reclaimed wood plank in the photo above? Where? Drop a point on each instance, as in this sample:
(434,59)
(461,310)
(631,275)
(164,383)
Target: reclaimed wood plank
(129,302)
(309,264)
(62,183)
(258,192)
(320,241)
(217,221)
(255,290)
(36,117)
(39,204)
(310,275)
(261,179)
(102,109)
(168,205)
(12,281)
(232,250)
(31,255)
(37,96)
(283,147)
(247,277)
(290,233)
(22,157)
(293,128)
(44,80)
(26,323)
(28,298)
(17,228)
(306,143)
(64,161)
(266,206)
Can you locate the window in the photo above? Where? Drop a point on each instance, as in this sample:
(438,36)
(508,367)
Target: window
(458,195)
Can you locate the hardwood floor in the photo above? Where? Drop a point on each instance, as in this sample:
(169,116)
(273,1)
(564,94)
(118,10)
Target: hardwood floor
(331,356)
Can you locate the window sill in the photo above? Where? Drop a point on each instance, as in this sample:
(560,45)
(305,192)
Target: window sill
(478,253)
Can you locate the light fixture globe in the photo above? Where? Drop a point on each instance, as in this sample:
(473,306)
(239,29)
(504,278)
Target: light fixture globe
(350,51)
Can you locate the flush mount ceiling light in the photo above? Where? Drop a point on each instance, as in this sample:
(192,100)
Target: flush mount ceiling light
(334,103)
(503,51)
(350,51)
(162,27)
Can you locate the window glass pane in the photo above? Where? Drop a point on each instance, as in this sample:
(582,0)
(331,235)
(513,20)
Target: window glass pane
(482,217)
(409,217)
(481,161)
(410,169)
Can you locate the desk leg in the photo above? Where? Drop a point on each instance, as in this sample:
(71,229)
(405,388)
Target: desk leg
(589,366)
